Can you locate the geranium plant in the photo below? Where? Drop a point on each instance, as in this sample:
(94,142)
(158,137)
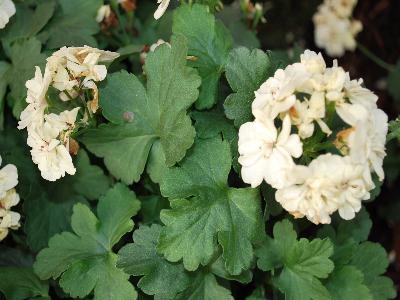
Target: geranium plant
(157,149)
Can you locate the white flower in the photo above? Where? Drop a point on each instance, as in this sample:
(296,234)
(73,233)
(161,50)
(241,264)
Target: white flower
(367,142)
(52,158)
(7,10)
(162,7)
(50,145)
(303,115)
(357,94)
(276,95)
(8,219)
(32,115)
(333,31)
(8,178)
(328,184)
(265,155)
(343,8)
(103,13)
(313,62)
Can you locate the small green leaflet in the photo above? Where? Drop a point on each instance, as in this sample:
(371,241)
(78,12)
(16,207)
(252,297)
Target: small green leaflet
(18,283)
(73,24)
(212,213)
(84,260)
(302,263)
(161,278)
(209,42)
(359,265)
(372,260)
(245,70)
(394,130)
(156,114)
(346,282)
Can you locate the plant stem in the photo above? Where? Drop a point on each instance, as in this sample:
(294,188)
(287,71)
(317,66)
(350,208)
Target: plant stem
(375,58)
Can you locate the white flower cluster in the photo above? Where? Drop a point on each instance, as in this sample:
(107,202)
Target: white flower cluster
(71,71)
(335,30)
(8,198)
(7,10)
(323,102)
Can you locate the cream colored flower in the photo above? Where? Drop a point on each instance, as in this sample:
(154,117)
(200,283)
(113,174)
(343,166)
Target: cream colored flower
(334,30)
(8,178)
(162,7)
(7,10)
(313,62)
(367,142)
(32,115)
(103,13)
(276,95)
(330,183)
(267,155)
(52,157)
(305,113)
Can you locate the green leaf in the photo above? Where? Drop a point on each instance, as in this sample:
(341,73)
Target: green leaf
(347,283)
(372,260)
(245,70)
(151,207)
(45,218)
(84,260)
(212,212)
(159,114)
(4,67)
(89,180)
(210,42)
(74,24)
(302,262)
(393,82)
(18,283)
(234,20)
(28,22)
(25,55)
(204,286)
(161,278)
(394,130)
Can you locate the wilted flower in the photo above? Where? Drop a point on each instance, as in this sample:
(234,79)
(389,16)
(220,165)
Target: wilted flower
(72,71)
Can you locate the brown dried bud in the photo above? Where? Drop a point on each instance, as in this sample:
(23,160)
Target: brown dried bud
(73,146)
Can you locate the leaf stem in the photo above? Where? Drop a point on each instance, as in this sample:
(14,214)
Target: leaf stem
(380,62)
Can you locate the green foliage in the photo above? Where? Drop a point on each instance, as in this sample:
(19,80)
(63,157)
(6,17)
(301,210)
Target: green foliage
(69,28)
(303,263)
(173,112)
(25,54)
(18,283)
(158,114)
(84,259)
(246,70)
(212,211)
(209,42)
(161,278)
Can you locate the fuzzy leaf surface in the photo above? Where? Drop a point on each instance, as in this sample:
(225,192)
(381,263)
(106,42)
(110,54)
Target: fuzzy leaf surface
(84,260)
(207,212)
(158,112)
